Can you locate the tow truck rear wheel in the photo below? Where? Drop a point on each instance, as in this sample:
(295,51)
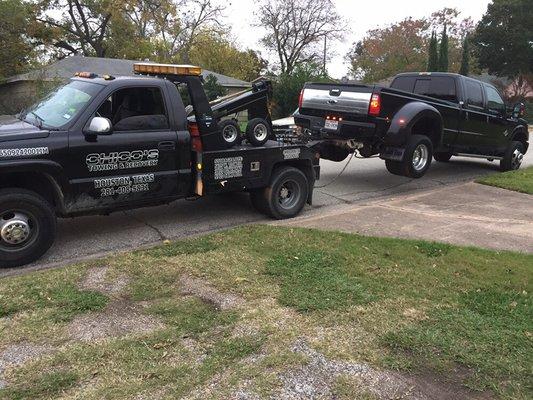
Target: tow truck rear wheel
(27,227)
(416,158)
(286,195)
(231,132)
(258,131)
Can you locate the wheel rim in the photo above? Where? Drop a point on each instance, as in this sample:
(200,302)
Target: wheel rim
(18,230)
(260,132)
(229,133)
(516,159)
(420,157)
(289,194)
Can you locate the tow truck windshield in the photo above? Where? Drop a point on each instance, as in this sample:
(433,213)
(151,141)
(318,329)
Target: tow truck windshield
(61,106)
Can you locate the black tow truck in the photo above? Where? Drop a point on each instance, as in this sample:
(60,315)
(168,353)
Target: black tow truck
(100,144)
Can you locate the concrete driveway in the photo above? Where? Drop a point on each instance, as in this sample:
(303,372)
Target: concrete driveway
(363,180)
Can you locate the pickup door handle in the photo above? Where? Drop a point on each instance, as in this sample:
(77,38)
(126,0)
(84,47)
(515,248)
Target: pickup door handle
(166,145)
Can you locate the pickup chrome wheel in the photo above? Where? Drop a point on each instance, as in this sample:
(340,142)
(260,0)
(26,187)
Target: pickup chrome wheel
(27,227)
(420,157)
(418,153)
(513,157)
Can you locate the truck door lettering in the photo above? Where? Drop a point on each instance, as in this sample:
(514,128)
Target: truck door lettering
(122,160)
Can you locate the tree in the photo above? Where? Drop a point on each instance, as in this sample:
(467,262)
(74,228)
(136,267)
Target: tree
(465,59)
(384,52)
(503,38)
(76,26)
(287,87)
(219,54)
(16,50)
(213,89)
(178,27)
(296,29)
(404,46)
(443,51)
(433,59)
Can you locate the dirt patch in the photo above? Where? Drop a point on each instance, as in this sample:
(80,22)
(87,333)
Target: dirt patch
(18,354)
(199,288)
(317,379)
(96,279)
(118,319)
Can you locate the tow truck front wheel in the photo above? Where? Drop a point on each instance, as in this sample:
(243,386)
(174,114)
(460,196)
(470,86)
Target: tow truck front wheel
(286,195)
(416,160)
(27,227)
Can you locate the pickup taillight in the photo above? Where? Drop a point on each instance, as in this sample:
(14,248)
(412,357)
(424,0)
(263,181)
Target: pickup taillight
(301,98)
(375,105)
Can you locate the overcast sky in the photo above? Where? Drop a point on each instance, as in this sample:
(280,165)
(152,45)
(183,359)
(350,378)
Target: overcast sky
(361,16)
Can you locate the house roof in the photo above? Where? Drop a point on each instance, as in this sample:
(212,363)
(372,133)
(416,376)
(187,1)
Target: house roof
(67,67)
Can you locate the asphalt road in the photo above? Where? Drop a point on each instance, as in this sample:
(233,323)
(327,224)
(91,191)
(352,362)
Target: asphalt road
(363,180)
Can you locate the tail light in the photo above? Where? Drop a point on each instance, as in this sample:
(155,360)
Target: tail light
(196,140)
(375,105)
(301,99)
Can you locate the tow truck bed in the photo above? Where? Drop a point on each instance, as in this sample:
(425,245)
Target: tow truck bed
(247,167)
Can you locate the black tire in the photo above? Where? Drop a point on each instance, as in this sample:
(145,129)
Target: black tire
(512,159)
(230,132)
(286,195)
(442,157)
(258,131)
(416,159)
(24,213)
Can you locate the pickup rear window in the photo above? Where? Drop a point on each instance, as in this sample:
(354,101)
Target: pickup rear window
(440,87)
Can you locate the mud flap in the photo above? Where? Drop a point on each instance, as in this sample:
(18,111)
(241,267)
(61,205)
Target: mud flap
(392,153)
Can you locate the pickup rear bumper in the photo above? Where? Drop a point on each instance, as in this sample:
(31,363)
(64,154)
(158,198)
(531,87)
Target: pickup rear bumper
(345,130)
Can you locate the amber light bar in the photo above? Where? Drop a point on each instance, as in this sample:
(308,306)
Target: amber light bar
(166,69)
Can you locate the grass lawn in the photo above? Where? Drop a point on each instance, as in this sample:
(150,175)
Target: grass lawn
(463,316)
(519,181)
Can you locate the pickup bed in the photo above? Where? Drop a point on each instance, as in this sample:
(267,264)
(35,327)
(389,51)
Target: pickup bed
(419,117)
(100,144)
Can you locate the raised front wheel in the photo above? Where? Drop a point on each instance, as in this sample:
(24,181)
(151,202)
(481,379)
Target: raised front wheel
(513,157)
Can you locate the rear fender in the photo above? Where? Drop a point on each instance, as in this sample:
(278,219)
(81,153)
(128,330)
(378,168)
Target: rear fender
(407,117)
(521,134)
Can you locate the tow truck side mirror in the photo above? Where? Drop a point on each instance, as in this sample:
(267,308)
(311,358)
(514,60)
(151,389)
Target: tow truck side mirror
(99,126)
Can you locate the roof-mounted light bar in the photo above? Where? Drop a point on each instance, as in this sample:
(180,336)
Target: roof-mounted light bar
(166,69)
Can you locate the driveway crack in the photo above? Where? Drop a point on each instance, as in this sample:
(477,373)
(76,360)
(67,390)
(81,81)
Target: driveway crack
(161,235)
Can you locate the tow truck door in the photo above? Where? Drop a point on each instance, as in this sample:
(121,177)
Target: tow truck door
(137,162)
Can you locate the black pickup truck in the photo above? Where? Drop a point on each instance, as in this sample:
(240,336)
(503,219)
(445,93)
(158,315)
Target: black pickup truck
(100,144)
(419,117)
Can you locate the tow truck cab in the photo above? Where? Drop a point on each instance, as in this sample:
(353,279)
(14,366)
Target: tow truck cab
(100,144)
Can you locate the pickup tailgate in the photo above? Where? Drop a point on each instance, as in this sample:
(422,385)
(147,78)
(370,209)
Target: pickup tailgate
(324,98)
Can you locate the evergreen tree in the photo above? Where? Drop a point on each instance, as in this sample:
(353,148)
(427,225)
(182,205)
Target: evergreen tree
(465,60)
(433,59)
(443,51)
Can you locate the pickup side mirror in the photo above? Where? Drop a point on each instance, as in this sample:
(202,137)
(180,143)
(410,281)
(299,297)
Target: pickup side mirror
(519,110)
(100,126)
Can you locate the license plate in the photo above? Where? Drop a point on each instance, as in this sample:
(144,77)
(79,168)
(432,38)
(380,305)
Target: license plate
(333,125)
